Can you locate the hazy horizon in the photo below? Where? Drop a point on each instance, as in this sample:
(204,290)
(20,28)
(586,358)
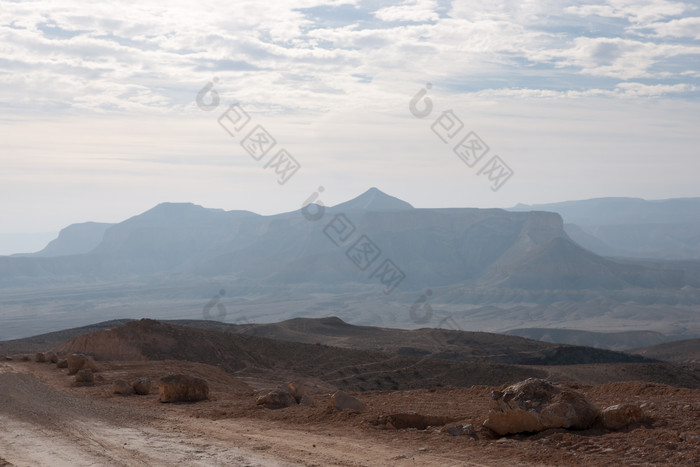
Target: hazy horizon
(30,242)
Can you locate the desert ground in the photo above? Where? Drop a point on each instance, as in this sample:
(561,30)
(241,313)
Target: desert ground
(48,420)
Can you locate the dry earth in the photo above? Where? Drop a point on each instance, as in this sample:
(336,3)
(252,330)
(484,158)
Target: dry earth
(46,420)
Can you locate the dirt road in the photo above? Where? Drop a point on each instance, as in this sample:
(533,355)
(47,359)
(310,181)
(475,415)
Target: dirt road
(43,425)
(45,420)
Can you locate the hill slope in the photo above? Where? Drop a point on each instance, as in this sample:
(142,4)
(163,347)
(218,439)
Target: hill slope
(341,367)
(685,351)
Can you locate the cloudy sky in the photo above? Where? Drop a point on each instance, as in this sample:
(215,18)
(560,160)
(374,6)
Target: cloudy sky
(100,117)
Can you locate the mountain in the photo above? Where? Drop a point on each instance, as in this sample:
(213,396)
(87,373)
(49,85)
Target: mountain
(631,227)
(166,237)
(373,200)
(368,261)
(73,240)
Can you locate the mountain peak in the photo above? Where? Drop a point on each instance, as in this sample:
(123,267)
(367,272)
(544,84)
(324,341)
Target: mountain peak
(374,200)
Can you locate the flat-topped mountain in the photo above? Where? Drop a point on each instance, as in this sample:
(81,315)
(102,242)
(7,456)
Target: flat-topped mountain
(431,247)
(367,260)
(631,227)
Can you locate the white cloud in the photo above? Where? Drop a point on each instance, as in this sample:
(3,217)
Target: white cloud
(636,11)
(411,10)
(683,27)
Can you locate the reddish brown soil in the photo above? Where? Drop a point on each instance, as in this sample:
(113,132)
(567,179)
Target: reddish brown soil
(209,432)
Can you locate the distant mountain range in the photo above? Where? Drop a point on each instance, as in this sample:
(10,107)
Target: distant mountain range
(364,260)
(430,247)
(631,227)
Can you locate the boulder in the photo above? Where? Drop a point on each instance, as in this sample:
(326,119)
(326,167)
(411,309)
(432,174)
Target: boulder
(617,417)
(85,376)
(297,390)
(277,399)
(182,388)
(62,363)
(341,400)
(122,387)
(79,361)
(40,357)
(142,386)
(51,357)
(536,405)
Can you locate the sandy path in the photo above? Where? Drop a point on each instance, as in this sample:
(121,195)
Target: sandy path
(46,426)
(43,426)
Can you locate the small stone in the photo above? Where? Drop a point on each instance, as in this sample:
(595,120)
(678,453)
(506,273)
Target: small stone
(142,386)
(182,388)
(278,399)
(340,401)
(306,401)
(122,387)
(85,376)
(297,390)
(617,417)
(79,361)
(460,430)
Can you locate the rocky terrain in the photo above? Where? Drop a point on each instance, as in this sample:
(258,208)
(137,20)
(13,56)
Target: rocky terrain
(633,413)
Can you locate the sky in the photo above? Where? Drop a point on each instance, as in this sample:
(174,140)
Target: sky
(109,108)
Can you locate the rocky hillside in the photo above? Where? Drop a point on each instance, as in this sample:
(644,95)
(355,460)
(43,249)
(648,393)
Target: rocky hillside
(350,368)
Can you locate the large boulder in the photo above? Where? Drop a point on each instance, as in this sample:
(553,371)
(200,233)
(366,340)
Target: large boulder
(62,363)
(182,388)
(277,399)
(51,357)
(142,386)
(535,405)
(617,417)
(341,400)
(40,357)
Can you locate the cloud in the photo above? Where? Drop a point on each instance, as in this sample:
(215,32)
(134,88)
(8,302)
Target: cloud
(683,27)
(635,11)
(280,56)
(410,11)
